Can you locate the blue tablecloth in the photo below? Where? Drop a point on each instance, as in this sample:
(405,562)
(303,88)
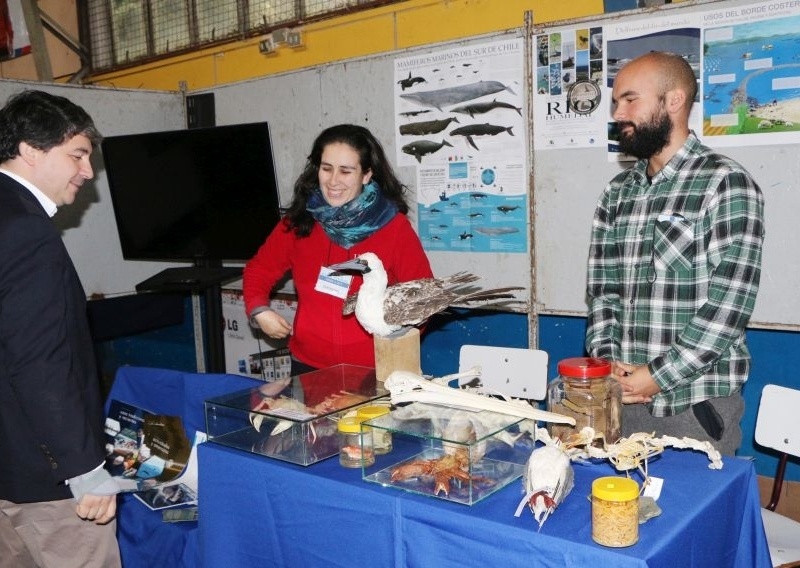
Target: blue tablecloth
(255,511)
(145,541)
(260,512)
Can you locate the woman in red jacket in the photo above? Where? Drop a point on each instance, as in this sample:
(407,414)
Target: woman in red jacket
(347,201)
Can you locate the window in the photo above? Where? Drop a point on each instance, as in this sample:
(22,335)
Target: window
(126,32)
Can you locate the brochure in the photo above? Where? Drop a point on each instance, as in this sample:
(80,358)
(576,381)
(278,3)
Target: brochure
(153,451)
(181,490)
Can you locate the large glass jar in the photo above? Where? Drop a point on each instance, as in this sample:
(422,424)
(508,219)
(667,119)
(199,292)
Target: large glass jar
(585,390)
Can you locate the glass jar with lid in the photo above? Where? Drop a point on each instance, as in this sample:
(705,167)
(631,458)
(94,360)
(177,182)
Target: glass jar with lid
(355,443)
(585,390)
(615,511)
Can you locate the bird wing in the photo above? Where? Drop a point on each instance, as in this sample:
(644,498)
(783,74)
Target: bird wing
(413,288)
(413,302)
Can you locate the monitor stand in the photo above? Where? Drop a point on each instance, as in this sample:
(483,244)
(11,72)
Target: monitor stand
(204,279)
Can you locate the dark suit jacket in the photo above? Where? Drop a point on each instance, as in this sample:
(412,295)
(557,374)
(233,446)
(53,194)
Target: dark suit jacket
(51,422)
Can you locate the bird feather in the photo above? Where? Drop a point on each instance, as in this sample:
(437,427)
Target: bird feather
(411,303)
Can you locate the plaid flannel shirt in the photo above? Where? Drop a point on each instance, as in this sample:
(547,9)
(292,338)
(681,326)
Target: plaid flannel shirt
(673,272)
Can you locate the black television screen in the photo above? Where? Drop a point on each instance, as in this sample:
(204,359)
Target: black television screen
(197,195)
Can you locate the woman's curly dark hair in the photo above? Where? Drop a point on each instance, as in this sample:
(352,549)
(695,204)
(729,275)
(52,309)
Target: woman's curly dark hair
(371,157)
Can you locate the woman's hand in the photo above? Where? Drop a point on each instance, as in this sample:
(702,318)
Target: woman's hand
(273,324)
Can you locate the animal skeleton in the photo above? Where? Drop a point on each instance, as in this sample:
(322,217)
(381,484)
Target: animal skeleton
(405,386)
(632,452)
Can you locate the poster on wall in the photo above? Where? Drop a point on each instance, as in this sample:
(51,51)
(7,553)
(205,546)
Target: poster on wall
(751,80)
(745,58)
(460,122)
(569,108)
(14,40)
(625,41)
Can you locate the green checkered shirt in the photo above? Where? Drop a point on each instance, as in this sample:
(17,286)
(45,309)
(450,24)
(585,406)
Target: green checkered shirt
(674,267)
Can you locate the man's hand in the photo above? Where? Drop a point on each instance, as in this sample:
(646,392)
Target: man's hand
(99,509)
(637,383)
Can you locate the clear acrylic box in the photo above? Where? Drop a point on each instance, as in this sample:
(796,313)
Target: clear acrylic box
(459,455)
(292,419)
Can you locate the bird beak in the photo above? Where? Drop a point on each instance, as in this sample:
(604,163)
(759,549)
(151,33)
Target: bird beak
(355,264)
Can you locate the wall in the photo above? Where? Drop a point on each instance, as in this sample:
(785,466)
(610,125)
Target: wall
(394,27)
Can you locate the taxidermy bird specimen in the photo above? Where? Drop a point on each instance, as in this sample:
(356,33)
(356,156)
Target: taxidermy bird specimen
(384,310)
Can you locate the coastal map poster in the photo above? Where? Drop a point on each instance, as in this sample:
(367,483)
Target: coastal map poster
(751,83)
(460,123)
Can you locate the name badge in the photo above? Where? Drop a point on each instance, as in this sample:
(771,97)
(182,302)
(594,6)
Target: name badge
(332,283)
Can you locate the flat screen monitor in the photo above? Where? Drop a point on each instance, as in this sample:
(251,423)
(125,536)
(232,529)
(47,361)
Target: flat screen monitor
(204,195)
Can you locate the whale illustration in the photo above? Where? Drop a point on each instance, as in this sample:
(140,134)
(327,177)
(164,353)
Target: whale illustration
(455,95)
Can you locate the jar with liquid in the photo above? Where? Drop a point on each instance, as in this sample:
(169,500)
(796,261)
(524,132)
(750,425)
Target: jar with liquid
(615,511)
(381,439)
(585,390)
(355,443)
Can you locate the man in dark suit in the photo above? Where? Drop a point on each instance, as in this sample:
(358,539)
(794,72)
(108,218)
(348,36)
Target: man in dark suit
(57,503)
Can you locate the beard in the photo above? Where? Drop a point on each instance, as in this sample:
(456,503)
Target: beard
(648,138)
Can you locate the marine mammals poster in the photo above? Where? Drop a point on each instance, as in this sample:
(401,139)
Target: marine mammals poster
(460,122)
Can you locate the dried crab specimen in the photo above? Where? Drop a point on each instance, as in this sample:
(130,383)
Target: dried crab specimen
(442,470)
(290,406)
(283,404)
(338,401)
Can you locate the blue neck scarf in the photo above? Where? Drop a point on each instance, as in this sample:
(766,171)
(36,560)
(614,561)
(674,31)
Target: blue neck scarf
(355,220)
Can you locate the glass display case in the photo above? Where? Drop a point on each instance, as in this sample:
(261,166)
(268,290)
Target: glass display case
(292,419)
(460,455)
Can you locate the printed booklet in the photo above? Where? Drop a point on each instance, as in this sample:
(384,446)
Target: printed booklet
(153,452)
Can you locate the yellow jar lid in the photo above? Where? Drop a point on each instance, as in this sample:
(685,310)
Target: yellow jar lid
(370,412)
(615,488)
(350,424)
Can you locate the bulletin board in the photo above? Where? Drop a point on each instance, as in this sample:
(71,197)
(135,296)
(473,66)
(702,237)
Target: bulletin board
(568,180)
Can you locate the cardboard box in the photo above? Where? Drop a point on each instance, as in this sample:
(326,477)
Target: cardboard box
(248,351)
